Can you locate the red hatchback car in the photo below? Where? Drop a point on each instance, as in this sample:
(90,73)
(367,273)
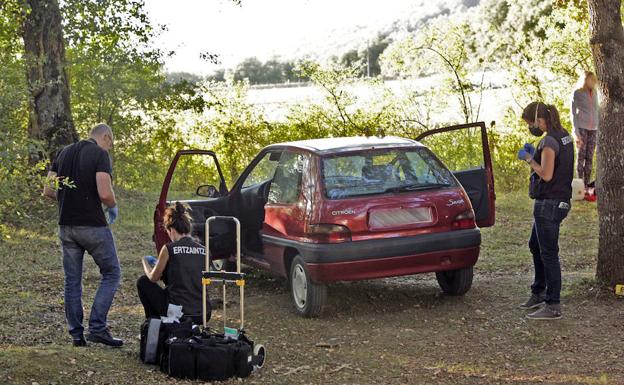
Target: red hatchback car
(341,209)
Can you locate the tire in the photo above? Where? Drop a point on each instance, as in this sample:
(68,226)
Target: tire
(222,264)
(308,297)
(258,356)
(455,282)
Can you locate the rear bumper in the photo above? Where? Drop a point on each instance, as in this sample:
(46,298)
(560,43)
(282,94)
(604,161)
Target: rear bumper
(393,266)
(388,257)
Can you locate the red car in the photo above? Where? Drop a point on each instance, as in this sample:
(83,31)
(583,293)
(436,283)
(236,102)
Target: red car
(341,209)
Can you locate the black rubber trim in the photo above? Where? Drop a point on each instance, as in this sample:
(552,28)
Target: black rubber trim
(223,275)
(381,248)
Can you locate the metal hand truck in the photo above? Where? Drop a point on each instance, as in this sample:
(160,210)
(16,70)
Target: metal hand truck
(224,277)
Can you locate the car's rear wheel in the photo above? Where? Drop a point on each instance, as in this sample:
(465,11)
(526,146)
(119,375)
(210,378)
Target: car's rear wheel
(308,297)
(455,282)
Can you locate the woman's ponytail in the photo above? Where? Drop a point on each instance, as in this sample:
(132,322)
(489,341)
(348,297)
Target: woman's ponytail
(554,123)
(177,217)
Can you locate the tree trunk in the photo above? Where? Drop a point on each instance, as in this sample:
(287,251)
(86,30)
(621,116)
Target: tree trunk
(50,113)
(607,44)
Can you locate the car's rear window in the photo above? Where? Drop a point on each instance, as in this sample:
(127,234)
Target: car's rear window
(373,172)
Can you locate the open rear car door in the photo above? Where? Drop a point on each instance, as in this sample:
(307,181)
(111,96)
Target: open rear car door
(460,148)
(195,178)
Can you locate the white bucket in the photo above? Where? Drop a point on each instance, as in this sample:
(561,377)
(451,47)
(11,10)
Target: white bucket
(578,189)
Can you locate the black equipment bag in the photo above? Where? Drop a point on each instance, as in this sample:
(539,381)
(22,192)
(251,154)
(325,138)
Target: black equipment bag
(219,358)
(209,357)
(154,333)
(178,359)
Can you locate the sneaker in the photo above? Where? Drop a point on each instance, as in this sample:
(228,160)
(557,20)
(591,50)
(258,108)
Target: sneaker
(534,302)
(79,341)
(104,337)
(548,312)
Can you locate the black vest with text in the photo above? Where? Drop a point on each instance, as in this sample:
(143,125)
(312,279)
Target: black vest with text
(184,274)
(560,186)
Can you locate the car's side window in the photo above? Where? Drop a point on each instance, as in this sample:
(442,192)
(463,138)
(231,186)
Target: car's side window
(192,171)
(286,184)
(264,169)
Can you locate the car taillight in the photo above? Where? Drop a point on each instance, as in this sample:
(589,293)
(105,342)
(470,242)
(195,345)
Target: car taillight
(328,233)
(465,220)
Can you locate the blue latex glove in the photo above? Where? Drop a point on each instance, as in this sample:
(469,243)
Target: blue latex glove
(111,214)
(151,260)
(528,147)
(522,154)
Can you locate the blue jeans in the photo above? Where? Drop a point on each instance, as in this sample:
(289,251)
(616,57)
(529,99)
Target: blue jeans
(544,245)
(99,242)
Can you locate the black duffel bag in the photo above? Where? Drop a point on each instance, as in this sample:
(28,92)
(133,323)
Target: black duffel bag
(209,357)
(154,333)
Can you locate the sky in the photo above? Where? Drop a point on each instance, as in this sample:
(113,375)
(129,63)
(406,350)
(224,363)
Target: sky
(261,28)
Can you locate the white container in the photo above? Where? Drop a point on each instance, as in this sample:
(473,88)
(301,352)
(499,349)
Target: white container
(578,189)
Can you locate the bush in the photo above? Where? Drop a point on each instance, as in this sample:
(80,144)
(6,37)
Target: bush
(20,191)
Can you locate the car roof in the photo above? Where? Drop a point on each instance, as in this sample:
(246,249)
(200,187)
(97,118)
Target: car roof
(326,146)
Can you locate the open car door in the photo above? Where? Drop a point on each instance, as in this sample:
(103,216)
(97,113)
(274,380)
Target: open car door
(465,150)
(195,178)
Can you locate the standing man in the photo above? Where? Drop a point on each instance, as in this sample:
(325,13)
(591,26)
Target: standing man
(584,113)
(85,168)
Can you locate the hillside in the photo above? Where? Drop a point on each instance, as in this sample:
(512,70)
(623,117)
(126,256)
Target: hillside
(416,15)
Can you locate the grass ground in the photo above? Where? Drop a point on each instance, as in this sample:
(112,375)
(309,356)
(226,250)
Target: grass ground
(390,331)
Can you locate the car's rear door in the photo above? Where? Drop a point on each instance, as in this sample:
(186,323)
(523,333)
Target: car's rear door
(285,211)
(188,170)
(465,150)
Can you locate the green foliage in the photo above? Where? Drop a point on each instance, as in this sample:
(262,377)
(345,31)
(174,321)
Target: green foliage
(343,113)
(542,45)
(367,57)
(272,71)
(191,172)
(13,93)
(235,129)
(19,181)
(117,77)
(443,47)
(510,174)
(20,189)
(115,71)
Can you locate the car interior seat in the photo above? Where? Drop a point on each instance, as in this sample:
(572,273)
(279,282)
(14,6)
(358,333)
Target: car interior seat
(378,173)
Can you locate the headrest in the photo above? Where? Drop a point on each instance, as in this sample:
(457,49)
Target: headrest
(379,172)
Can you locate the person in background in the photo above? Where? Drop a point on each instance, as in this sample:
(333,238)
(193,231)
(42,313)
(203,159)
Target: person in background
(584,113)
(552,170)
(184,260)
(83,226)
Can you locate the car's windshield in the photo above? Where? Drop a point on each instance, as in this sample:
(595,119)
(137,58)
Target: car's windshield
(383,171)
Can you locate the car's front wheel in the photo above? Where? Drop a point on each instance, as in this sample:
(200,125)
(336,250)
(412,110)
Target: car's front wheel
(455,282)
(308,297)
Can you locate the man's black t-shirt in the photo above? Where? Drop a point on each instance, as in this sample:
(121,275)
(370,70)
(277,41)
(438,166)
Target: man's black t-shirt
(81,206)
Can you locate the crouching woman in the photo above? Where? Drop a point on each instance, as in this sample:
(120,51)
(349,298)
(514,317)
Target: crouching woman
(552,168)
(182,260)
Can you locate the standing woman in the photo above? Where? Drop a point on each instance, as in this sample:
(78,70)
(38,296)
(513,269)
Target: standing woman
(552,169)
(584,112)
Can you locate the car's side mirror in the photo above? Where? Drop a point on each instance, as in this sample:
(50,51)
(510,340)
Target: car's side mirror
(207,190)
